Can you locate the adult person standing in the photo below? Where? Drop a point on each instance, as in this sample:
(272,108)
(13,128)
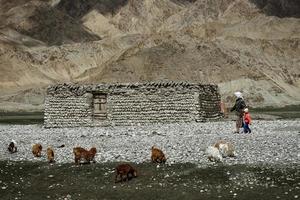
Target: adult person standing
(239,110)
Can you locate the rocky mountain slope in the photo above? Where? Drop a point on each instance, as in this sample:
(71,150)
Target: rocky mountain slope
(246,45)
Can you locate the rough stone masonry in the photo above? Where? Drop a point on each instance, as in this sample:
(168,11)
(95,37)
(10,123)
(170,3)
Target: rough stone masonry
(73,105)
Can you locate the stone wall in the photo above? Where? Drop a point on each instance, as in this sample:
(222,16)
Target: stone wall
(71,105)
(69,111)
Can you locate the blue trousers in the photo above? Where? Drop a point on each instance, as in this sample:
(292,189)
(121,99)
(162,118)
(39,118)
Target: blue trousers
(246,128)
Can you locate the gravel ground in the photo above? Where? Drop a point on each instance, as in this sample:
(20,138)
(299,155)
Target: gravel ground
(272,142)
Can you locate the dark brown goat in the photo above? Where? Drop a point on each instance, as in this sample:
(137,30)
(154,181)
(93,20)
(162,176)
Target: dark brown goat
(127,170)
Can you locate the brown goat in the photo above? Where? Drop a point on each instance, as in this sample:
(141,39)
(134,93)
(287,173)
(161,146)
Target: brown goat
(157,156)
(127,170)
(50,154)
(81,153)
(37,150)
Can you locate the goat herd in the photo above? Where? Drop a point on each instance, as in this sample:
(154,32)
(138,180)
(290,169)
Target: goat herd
(214,153)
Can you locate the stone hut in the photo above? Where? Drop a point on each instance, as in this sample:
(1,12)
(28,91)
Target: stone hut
(73,105)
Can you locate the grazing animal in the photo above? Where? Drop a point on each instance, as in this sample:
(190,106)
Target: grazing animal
(50,154)
(127,170)
(213,154)
(37,150)
(12,147)
(226,148)
(81,153)
(157,156)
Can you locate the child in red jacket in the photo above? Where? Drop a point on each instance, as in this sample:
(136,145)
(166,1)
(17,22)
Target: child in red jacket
(247,120)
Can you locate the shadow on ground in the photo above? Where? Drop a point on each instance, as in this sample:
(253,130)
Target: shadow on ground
(36,180)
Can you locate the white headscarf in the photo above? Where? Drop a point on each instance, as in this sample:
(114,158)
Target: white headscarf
(238,94)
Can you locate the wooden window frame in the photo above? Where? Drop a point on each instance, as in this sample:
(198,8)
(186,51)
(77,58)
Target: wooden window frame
(100,106)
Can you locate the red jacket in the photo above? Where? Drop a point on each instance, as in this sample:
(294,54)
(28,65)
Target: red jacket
(247,118)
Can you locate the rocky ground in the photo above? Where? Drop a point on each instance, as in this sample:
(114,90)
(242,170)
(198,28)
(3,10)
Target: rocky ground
(272,142)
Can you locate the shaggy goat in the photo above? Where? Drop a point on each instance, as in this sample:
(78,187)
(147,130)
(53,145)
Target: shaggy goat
(37,150)
(81,153)
(157,156)
(12,147)
(220,150)
(225,148)
(50,154)
(127,170)
(213,154)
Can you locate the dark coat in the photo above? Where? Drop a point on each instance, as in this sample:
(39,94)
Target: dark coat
(239,105)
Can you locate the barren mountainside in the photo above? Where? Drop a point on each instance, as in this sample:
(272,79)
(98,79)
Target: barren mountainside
(246,45)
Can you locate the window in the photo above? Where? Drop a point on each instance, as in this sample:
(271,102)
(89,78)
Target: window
(100,102)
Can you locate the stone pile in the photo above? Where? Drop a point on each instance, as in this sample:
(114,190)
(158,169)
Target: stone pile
(271,142)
